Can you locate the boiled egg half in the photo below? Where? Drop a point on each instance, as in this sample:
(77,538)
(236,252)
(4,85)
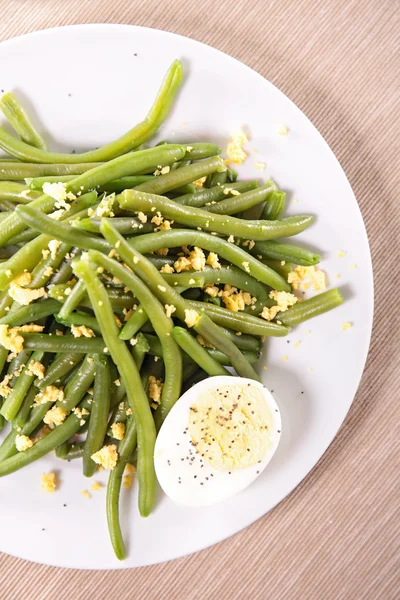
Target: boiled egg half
(217,439)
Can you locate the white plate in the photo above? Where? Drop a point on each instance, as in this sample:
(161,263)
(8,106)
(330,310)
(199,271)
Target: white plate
(88,84)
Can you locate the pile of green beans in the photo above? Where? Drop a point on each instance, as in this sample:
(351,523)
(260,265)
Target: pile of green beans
(126,276)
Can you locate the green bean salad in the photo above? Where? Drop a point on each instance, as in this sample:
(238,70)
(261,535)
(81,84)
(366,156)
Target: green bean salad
(129,273)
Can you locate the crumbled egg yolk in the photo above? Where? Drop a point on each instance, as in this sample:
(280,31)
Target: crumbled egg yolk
(128,476)
(82,330)
(11,339)
(142,217)
(118,431)
(211,290)
(56,191)
(284,300)
(54,417)
(169,309)
(107,456)
(155,389)
(23,442)
(50,394)
(105,207)
(199,182)
(196,260)
(167,268)
(191,317)
(161,251)
(21,295)
(96,486)
(35,368)
(230,426)
(260,166)
(235,150)
(213,260)
(49,482)
(53,246)
(304,277)
(234,299)
(5,389)
(346,326)
(282,130)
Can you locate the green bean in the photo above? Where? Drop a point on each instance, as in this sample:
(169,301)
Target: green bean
(236,204)
(134,323)
(119,299)
(196,377)
(63,274)
(18,171)
(244,342)
(140,349)
(79,384)
(17,364)
(239,321)
(230,252)
(167,295)
(179,177)
(199,354)
(40,222)
(125,449)
(130,375)
(6,206)
(274,205)
(30,254)
(42,447)
(65,343)
(20,121)
(196,217)
(125,143)
(222,359)
(99,415)
(16,192)
(229,275)
(124,165)
(125,225)
(37,413)
(79,319)
(162,324)
(70,451)
(312,307)
(280,266)
(207,196)
(30,313)
(118,416)
(201,150)
(73,300)
(62,450)
(61,366)
(215,336)
(23,414)
(49,264)
(36,183)
(218,178)
(287,252)
(23,382)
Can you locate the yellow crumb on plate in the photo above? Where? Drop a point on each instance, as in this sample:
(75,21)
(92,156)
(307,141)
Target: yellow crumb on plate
(96,486)
(282,130)
(346,326)
(341,253)
(49,482)
(86,494)
(297,344)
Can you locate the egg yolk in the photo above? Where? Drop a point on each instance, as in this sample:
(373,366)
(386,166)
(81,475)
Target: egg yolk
(230,426)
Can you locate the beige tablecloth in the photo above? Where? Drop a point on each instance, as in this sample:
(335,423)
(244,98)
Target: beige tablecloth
(335,535)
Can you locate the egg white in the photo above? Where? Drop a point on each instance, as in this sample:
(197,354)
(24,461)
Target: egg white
(183,474)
